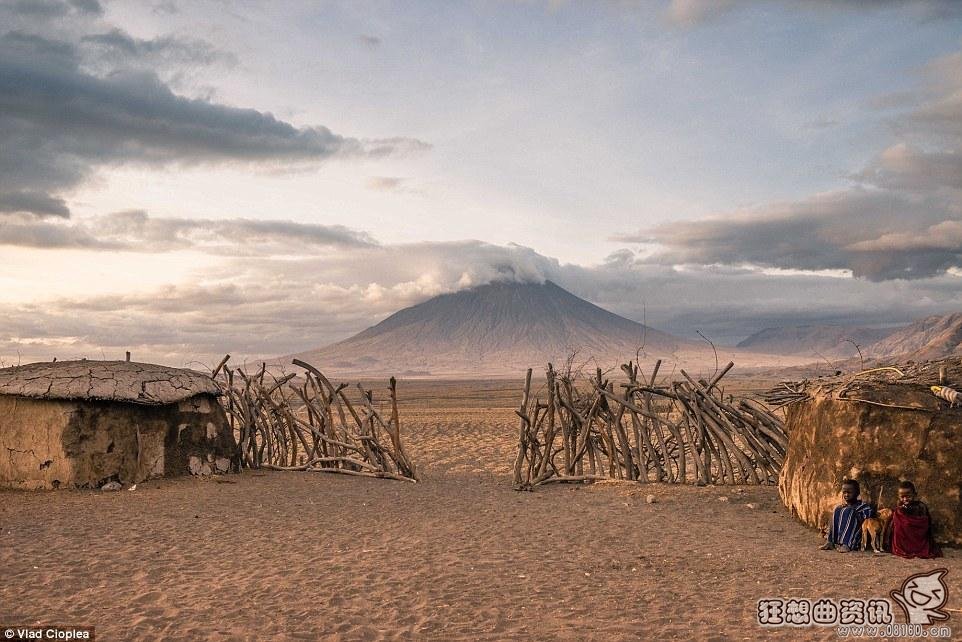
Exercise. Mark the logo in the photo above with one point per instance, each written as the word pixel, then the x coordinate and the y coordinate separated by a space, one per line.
pixel 922 596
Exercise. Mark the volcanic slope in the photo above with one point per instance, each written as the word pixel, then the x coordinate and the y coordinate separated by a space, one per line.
pixel 815 340
pixel 933 337
pixel 500 329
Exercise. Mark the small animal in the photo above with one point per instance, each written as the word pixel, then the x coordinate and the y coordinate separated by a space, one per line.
pixel 885 516
pixel 875 530
pixel 872 534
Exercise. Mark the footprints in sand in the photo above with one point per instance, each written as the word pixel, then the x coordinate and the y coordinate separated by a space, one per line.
pixel 297 556
pixel 471 441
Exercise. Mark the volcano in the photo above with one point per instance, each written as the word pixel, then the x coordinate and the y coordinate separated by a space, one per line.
pixel 497 329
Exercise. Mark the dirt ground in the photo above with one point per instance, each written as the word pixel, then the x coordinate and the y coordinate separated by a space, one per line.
pixel 303 556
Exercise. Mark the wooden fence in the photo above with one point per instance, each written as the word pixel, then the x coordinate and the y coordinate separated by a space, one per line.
pixel 680 432
pixel 307 423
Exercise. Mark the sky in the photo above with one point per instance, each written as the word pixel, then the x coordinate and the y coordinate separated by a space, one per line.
pixel 187 179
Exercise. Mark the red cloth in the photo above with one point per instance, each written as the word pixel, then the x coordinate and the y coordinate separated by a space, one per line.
pixel 912 536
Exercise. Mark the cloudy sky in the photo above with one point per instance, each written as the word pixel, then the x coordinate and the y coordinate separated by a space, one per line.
pixel 183 179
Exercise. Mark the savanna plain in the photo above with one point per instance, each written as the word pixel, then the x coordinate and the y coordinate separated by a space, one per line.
pixel 458 556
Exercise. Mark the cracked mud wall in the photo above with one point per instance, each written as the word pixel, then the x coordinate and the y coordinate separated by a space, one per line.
pixel 832 439
pixel 31 449
pixel 55 443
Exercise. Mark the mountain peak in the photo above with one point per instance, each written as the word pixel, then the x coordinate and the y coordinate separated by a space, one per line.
pixel 500 327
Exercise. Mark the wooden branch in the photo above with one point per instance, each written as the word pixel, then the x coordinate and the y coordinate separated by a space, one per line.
pixel 731 442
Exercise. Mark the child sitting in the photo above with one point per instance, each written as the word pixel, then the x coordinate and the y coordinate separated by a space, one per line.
pixel 845 533
pixel 912 526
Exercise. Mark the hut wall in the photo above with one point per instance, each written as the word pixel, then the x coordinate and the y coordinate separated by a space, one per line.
pixel 832 439
pixel 31 443
pixel 55 443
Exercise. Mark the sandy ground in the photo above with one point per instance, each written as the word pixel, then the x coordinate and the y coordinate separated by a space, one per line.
pixel 261 556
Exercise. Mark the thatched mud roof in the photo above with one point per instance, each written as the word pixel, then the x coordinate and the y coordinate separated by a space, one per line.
pixel 140 383
pixel 903 385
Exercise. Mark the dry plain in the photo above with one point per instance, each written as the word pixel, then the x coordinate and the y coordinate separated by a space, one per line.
pixel 460 555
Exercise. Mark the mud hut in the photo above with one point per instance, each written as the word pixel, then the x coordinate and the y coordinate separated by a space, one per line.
pixel 83 423
pixel 878 428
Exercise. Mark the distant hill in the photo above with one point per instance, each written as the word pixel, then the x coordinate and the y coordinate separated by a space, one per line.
pixel 812 340
pixel 499 328
pixel 929 338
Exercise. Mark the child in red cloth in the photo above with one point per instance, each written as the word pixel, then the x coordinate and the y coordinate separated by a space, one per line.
pixel 912 526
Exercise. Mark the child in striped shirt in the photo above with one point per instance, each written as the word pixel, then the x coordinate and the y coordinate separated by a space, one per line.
pixel 845 533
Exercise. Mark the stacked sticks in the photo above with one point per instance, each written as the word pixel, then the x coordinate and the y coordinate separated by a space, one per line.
pixel 291 424
pixel 786 393
pixel 682 432
pixel 938 372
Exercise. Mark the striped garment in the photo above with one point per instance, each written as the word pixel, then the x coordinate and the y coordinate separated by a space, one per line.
pixel 847 524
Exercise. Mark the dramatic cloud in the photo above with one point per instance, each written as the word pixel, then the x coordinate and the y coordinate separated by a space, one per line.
pixel 136 231
pixel 899 222
pixel 58 122
pixel 140 231
pixel 20 231
pixel 946 236
pixel 901 167
pixel 79 95
pixel 331 295
pixel 32 203
pixel 826 232
pixel 856 238
pixel 50 9
pixel 929 155
pixel 118 47
pixel 179 324
pixel 320 297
